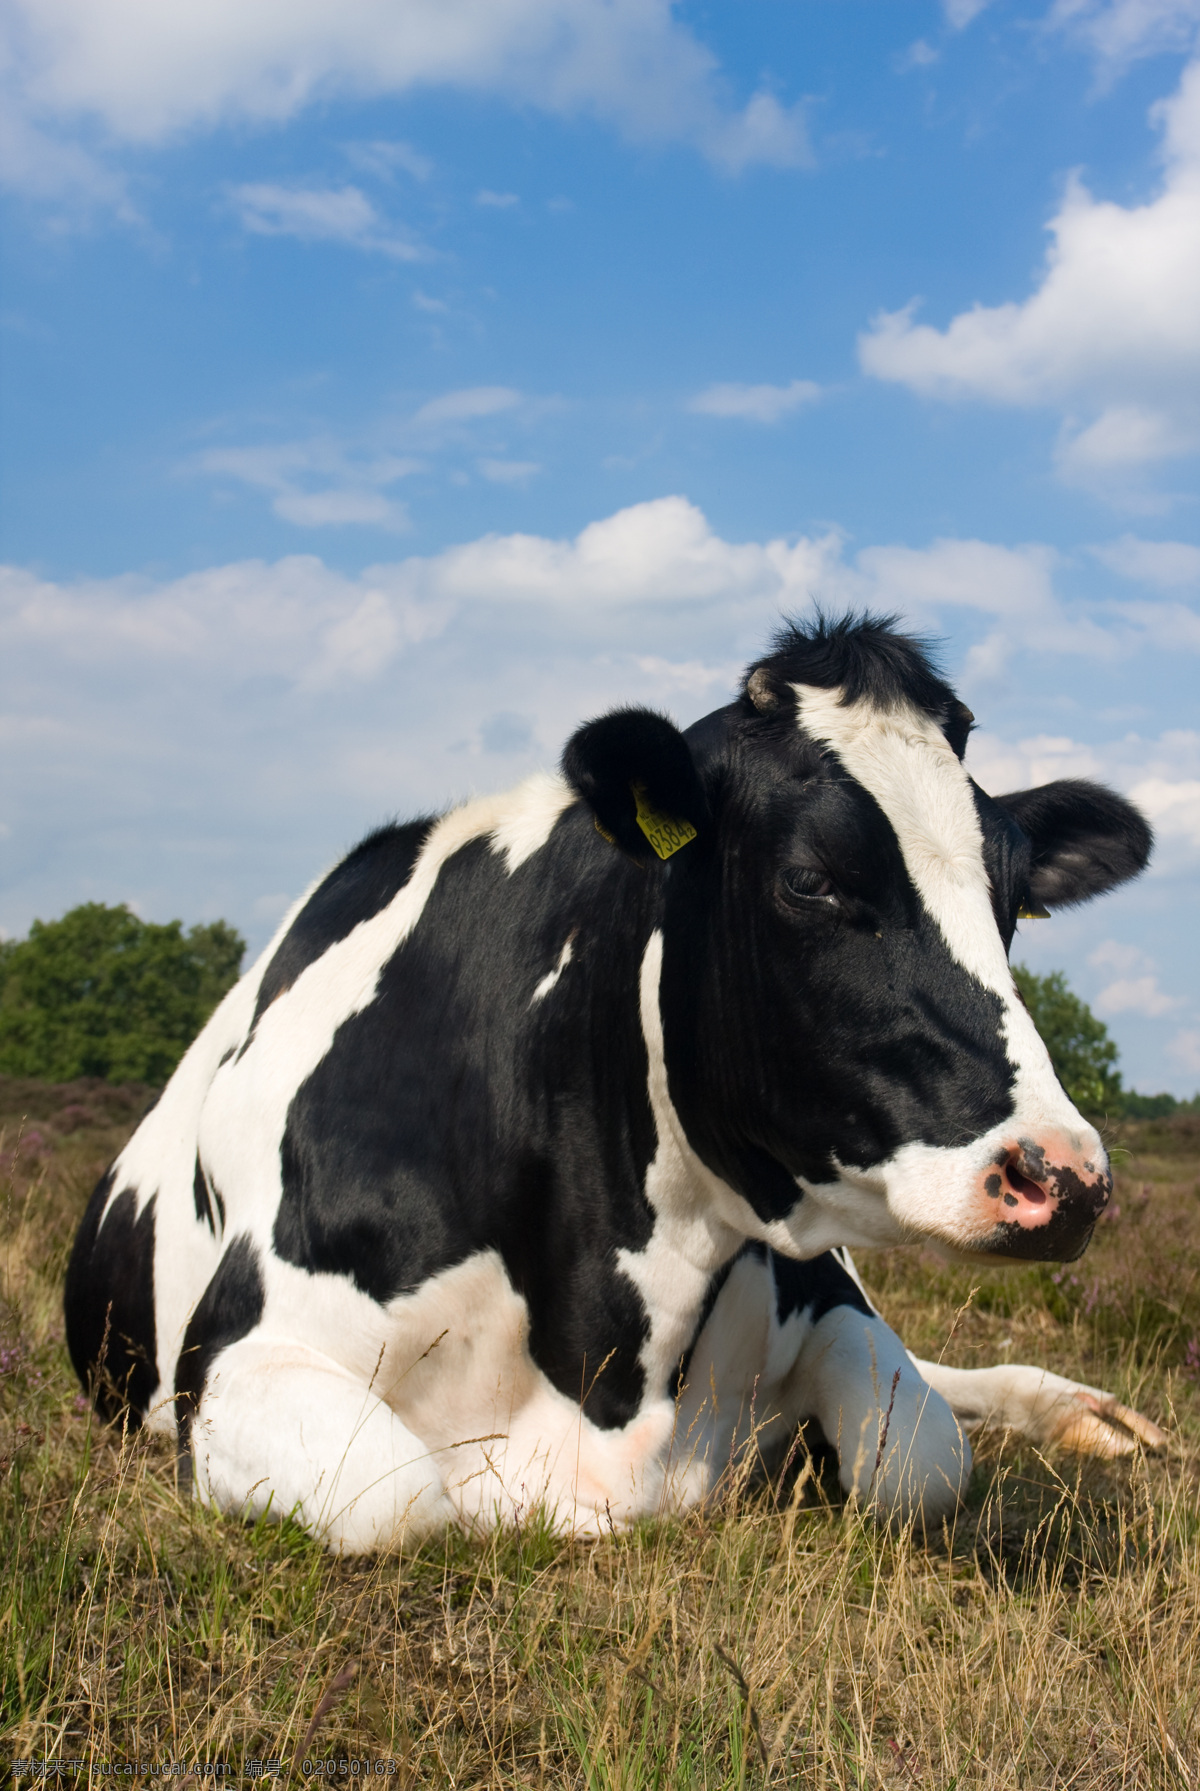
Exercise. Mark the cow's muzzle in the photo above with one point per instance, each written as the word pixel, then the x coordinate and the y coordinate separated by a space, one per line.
pixel 1042 1199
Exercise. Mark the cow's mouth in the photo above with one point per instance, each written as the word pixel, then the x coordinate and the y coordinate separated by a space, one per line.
pixel 1063 1239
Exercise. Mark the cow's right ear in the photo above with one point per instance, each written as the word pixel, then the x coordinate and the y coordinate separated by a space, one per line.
pixel 636 773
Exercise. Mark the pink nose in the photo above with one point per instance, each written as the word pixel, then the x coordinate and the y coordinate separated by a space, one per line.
pixel 1045 1186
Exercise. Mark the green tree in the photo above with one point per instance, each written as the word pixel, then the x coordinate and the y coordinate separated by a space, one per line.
pixel 1083 1055
pixel 102 993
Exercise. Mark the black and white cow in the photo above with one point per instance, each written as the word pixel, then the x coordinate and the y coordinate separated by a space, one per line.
pixel 520 1167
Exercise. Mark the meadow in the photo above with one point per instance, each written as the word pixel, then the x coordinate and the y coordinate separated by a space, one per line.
pixel 1050 1637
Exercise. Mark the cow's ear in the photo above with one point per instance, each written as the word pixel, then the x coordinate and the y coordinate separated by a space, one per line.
pixel 1085 839
pixel 636 773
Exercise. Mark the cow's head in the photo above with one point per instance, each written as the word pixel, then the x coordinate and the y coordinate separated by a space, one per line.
pixel 845 1045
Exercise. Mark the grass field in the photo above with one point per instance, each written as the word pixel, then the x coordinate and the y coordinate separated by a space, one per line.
pixel 1052 1638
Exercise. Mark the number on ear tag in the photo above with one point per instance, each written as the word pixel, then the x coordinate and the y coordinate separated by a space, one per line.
pixel 666 833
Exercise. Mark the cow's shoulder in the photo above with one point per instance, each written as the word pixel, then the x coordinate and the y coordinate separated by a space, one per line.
pixel 361 886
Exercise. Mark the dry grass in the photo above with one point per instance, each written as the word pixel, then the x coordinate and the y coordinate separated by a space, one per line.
pixel 1049 1640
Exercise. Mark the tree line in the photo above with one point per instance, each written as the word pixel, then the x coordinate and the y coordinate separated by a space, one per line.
pixel 103 993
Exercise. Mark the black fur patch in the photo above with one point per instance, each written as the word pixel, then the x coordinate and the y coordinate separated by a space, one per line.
pixel 361 886
pixel 109 1303
pixel 230 1307
pixel 455 1115
pixel 867 658
pixel 816 1287
pixel 200 1198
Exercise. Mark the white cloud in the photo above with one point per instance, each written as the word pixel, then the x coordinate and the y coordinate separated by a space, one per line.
pixel 1118 31
pixel 689 677
pixel 318 481
pixel 1015 586
pixel 1135 989
pixel 146 73
pixel 960 13
pixel 323 479
pixel 58 172
pixel 1170 625
pixel 1170 564
pixel 755 404
pixel 1172 803
pixel 1111 337
pixel 467 405
pixel 918 55
pixel 509 472
pixel 1136 995
pixel 382 157
pixel 1185 1049
pixel 296 619
pixel 320 214
pixel 498 201
pixel 1113 955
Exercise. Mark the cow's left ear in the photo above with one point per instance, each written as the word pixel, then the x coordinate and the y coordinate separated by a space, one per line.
pixel 636 773
pixel 1086 839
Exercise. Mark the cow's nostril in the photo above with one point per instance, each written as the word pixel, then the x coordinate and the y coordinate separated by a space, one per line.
pixel 1021 1184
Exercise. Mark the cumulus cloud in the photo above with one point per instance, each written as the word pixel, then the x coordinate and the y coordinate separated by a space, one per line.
pixel 320 214
pixel 755 404
pixel 1111 336
pixel 143 73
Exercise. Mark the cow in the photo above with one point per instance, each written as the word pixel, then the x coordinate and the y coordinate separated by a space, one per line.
pixel 521 1169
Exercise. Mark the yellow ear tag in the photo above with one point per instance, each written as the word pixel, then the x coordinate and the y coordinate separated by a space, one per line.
pixel 1033 911
pixel 666 833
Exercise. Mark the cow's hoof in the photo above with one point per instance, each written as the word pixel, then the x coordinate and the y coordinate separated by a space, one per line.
pixel 1103 1427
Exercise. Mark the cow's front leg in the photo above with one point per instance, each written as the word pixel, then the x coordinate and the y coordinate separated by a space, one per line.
pixel 1042 1406
pixel 285 1429
pixel 900 1449
pixel 787 1341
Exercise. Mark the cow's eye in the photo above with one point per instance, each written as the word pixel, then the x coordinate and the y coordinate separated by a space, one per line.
pixel 800 885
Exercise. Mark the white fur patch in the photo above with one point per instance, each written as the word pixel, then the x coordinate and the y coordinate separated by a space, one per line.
pixel 452 1362
pixel 527 815
pixel 550 980
pixel 696 1214
pixel 905 762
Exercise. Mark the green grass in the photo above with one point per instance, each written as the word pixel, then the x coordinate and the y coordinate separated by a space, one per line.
pixel 1050 1638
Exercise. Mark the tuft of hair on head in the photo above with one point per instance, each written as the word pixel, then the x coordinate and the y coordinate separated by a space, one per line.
pixel 865 656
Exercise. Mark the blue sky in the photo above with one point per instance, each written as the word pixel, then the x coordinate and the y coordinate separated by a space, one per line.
pixel 389 384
